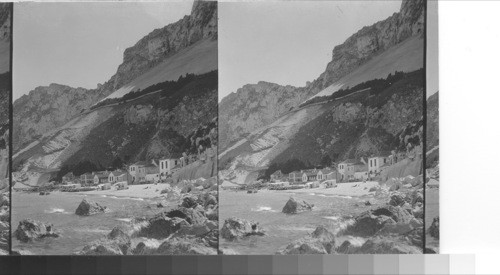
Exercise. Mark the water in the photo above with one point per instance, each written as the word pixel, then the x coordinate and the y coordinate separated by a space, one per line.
pixel 265 208
pixel 76 231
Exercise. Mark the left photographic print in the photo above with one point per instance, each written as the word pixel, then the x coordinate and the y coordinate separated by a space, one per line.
pixel 5 90
pixel 115 128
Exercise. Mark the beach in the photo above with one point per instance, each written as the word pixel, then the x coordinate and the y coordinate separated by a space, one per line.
pixel 353 189
pixel 144 191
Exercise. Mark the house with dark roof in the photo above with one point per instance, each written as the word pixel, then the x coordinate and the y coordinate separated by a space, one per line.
pixel 101 177
pixel 309 175
pixel 326 174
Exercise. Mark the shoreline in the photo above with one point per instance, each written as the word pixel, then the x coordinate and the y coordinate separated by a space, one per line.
pixel 142 191
pixel 350 189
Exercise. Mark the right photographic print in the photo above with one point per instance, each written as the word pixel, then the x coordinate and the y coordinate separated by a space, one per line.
pixel 321 127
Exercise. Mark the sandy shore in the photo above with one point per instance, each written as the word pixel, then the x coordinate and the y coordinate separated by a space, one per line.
pixel 353 189
pixel 144 191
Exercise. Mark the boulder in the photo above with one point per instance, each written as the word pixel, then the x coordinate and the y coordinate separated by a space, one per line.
pixel 189 202
pixel 30 230
pixel 213 213
pixel 370 222
pixel 398 214
pixel 146 247
pixel 117 242
pixel 384 245
pixel 207 199
pixel 346 248
pixel 103 246
pixel 4 200
pixel 197 230
pixel 87 208
pixel 184 247
pixel 368 203
pixel 321 241
pixel 191 215
pixel 212 238
pixel 416 181
pixel 119 233
pixel 161 226
pixel 294 206
pixel 227 251
pixel 416 236
pixel 418 212
pixel 397 200
pixel 416 196
pixel 434 228
pixel 373 189
pixel 235 228
pixel 367 224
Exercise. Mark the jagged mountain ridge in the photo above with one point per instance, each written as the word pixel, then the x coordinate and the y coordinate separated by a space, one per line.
pixel 357 50
pixel 151 51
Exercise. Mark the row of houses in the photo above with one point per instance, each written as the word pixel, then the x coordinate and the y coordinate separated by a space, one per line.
pixel 139 172
pixel 305 175
pixel 347 170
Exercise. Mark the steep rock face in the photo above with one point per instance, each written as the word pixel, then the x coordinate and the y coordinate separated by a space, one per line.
pixel 361 125
pixel 367 42
pixel 253 106
pixel 47 108
pixel 164 42
pixel 237 119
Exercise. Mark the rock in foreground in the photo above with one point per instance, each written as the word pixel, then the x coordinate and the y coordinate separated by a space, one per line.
pixel 386 246
pixel 235 228
pixel 321 241
pixel 294 206
pixel 184 247
pixel 434 228
pixel 30 230
pixel 88 208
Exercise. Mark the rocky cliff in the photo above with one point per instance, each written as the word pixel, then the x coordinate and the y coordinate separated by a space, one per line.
pixel 165 42
pixel 253 106
pixel 46 108
pixel 237 117
pixel 5 18
pixel 60 128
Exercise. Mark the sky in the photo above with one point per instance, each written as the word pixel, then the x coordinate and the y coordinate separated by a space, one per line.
pixel 81 44
pixel 288 43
